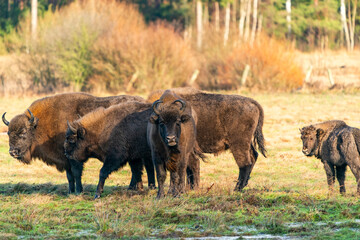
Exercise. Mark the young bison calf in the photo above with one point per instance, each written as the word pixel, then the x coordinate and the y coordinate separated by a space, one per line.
pixel 115 136
pixel 172 140
pixel 337 145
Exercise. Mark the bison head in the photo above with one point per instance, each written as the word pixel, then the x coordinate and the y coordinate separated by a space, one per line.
pixel 21 131
pixel 168 118
pixel 311 138
pixel 75 144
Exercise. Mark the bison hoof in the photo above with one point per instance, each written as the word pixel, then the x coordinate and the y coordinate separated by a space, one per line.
pixel 97 196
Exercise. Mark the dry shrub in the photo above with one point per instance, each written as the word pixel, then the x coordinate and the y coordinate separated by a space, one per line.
pixel 272 66
pixel 142 58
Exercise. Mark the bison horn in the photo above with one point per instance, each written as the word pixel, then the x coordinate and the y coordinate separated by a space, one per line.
pixel 72 129
pixel 155 106
pixel 31 117
pixel 183 104
pixel 4 120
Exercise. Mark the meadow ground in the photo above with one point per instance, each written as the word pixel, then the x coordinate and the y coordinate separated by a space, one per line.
pixel 287 196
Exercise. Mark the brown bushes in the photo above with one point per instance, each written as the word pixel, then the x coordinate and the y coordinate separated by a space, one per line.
pixel 106 46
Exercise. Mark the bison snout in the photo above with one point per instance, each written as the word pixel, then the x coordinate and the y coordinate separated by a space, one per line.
pixel 305 151
pixel 171 140
pixel 14 152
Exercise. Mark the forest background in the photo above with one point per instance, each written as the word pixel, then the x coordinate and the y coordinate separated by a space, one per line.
pixel 49 46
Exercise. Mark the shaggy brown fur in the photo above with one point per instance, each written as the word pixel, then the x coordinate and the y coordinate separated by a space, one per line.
pixel 115 136
pixel 44 137
pixel 172 139
pixel 337 145
pixel 226 122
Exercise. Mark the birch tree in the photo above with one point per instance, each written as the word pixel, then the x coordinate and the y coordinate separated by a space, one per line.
pixel 34 6
pixel 247 20
pixel 288 16
pixel 343 20
pixel 227 23
pixel 199 26
pixel 254 23
pixel 243 4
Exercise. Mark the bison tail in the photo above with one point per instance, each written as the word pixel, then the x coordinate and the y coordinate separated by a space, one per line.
pixel 198 153
pixel 258 135
pixel 356 134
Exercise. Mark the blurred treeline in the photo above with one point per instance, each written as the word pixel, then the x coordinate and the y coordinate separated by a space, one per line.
pixel 143 45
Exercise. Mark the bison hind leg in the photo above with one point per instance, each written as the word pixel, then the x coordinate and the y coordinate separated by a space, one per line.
pixel 340 175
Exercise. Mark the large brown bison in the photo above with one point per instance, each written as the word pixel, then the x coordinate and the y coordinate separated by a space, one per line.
pixel 39 132
pixel 115 136
pixel 172 139
pixel 337 145
pixel 226 122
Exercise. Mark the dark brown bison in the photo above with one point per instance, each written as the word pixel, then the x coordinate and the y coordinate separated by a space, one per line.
pixel 172 140
pixel 338 146
pixel 116 136
pixel 40 131
pixel 227 122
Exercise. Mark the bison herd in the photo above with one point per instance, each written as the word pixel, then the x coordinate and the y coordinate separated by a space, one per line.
pixel 169 132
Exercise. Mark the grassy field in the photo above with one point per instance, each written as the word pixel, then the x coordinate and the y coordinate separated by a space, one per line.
pixel 287 196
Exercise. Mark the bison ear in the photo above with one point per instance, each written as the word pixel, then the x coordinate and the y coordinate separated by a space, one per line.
pixel 154 118
pixel 185 118
pixel 81 132
pixel 319 133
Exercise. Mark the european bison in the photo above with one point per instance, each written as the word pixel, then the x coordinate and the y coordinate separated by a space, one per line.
pixel 172 139
pixel 226 122
pixel 40 131
pixel 116 136
pixel 337 145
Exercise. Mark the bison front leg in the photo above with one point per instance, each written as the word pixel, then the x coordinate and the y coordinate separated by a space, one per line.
pixel 330 175
pixel 77 169
pixel 70 178
pixel 161 177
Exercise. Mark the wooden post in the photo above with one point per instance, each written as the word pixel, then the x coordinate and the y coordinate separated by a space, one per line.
pixel 308 74
pixel 244 76
pixel 331 79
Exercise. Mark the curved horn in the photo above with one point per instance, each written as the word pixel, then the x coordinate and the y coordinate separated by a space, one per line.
pixel 72 129
pixel 183 105
pixel 31 117
pixel 4 120
pixel 155 106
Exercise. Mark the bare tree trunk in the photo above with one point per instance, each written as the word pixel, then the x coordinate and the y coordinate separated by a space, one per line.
pixel 254 23
pixel 352 18
pixel 288 17
pixel 343 20
pixel 247 20
pixel 242 17
pixel 206 16
pixel 217 16
pixel 227 23
pixel 199 23
pixel 259 25
pixel 33 18
pixel 233 18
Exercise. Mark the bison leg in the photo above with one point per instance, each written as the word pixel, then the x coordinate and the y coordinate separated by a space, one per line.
pixel 108 167
pixel 161 177
pixel 77 169
pixel 136 170
pixel 193 172
pixel 355 169
pixel 330 175
pixel 149 166
pixel 244 173
pixel 340 175
pixel 71 181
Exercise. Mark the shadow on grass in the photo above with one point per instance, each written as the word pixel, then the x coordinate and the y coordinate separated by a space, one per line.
pixel 10 189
